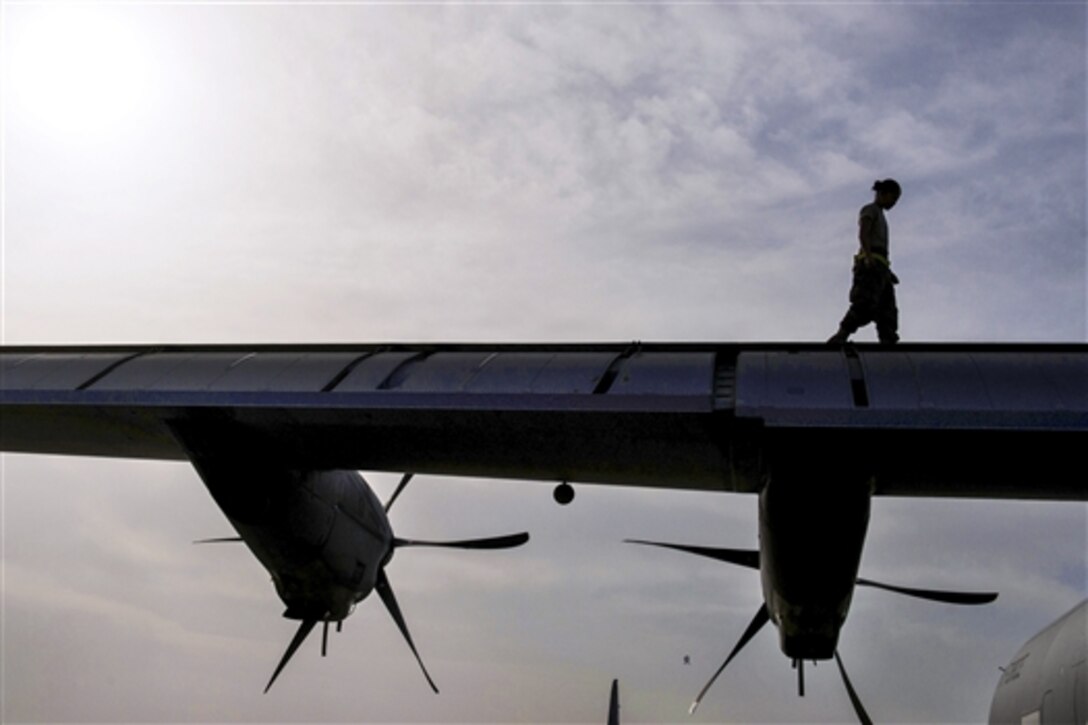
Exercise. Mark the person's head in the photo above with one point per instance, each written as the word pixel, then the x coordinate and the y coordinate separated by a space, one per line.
pixel 888 192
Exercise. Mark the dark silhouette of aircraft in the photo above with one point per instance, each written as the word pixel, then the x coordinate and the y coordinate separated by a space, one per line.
pixel 816 431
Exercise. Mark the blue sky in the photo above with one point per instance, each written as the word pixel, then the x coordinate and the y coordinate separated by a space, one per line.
pixel 523 172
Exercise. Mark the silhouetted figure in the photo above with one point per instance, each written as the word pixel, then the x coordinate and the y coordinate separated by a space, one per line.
pixel 872 294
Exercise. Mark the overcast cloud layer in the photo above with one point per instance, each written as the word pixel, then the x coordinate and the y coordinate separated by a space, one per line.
pixel 339 173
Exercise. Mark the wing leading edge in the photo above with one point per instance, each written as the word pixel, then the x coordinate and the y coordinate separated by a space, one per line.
pixel 1004 421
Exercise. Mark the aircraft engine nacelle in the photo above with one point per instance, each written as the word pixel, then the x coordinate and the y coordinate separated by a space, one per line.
pixel 327 547
pixel 322 535
pixel 811 537
pixel 360 540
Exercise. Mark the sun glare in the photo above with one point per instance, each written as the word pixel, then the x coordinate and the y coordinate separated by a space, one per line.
pixel 79 72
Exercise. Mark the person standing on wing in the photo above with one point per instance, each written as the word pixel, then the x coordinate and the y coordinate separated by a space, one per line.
pixel 872 295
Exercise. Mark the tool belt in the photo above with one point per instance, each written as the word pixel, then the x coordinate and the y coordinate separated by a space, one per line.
pixel 860 257
pixel 873 255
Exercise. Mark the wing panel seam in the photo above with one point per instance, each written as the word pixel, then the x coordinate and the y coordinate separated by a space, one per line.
pixel 111 367
pixel 339 377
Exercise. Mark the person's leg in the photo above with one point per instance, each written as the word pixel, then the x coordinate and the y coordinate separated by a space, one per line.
pixel 887 315
pixel 864 295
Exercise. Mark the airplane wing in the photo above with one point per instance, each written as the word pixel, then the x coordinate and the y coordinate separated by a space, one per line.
pixel 995 421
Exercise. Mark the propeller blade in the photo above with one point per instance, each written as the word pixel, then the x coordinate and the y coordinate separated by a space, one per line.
pixel 221 540
pixel 400 487
pixel 933 594
pixel 859 709
pixel 495 542
pixel 741 557
pixel 800 666
pixel 303 630
pixel 614 704
pixel 385 591
pixel 761 618
pixel 325 639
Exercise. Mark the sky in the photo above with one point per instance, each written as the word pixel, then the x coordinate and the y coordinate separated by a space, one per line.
pixel 523 172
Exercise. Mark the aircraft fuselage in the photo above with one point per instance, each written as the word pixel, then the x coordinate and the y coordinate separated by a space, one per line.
pixel 1047 680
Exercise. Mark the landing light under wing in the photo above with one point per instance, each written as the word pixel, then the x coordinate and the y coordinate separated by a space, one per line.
pixel 995 421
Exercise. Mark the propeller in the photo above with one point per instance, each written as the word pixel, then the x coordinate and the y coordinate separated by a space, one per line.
pixel 751 559
pixel 614 704
pixel 859 709
pixel 741 557
pixel 304 629
pixel 220 540
pixel 400 487
pixel 934 595
pixel 496 542
pixel 761 618
pixel 385 591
